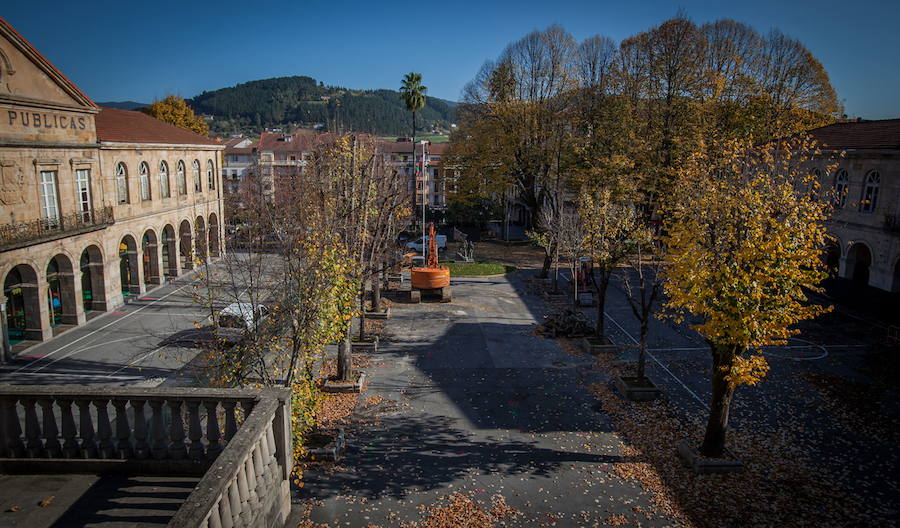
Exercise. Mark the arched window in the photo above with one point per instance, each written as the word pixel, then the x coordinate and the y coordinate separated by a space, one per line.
pixel 144 176
pixel 210 177
pixel 163 179
pixel 182 182
pixel 841 183
pixel 121 183
pixel 870 192
pixel 198 185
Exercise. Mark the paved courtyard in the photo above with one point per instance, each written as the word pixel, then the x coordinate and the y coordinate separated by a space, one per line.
pixel 466 398
pixel 474 402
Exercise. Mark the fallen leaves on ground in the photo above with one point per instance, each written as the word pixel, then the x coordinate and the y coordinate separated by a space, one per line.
pixel 777 487
pixel 458 510
pixel 335 408
pixel 47 502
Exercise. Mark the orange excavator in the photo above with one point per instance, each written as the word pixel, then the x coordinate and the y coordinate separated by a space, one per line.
pixel 432 278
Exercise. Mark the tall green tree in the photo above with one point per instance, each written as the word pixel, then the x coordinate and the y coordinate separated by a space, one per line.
pixel 413 94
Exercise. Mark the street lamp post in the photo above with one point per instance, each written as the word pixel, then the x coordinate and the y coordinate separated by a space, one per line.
pixel 424 183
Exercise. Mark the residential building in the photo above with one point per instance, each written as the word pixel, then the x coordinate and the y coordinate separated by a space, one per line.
pixel 238 160
pixel 866 184
pixel 403 157
pixel 98 204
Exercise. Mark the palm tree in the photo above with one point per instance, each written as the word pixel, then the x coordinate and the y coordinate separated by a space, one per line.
pixel 413 94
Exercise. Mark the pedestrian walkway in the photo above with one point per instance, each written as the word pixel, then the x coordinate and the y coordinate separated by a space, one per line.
pixel 474 402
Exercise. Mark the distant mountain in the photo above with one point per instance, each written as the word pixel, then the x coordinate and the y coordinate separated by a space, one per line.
pixel 288 102
pixel 123 105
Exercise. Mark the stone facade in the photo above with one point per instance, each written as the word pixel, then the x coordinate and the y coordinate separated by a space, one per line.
pixel 865 180
pixel 93 208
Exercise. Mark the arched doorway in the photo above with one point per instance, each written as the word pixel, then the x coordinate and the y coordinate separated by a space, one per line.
pixel 859 259
pixel 93 291
pixel 187 254
pixel 200 238
pixel 150 258
pixel 128 266
pixel 23 310
pixel 213 235
pixel 61 305
pixel 169 253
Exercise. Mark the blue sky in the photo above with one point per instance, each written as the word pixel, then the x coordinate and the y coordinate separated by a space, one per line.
pixel 129 50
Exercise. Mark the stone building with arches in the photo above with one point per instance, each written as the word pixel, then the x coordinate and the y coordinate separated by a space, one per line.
pixel 96 204
pixel 865 185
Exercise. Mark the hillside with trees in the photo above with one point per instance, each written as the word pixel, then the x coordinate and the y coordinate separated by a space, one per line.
pixel 288 102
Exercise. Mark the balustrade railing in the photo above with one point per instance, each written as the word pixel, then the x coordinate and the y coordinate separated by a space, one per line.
pixel 241 439
pixel 49 228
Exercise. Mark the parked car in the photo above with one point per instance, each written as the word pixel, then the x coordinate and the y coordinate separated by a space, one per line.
pixel 417 243
pixel 237 319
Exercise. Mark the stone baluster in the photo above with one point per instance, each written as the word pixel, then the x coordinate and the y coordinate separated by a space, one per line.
pixel 259 469
pixel 158 430
pixel 195 432
pixel 88 447
pixel 234 498
pixel 230 420
pixel 225 510
pixel 177 449
pixel 273 458
pixel 214 520
pixel 123 430
pixel 13 430
pixel 268 458
pixel 247 405
pixel 104 432
pixel 49 430
pixel 34 447
pixel 70 447
pixel 141 447
pixel 213 447
pixel 244 494
pixel 250 474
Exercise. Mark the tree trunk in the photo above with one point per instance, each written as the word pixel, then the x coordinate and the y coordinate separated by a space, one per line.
pixel 345 358
pixel 414 135
pixel 602 285
pixel 362 313
pixel 722 392
pixel 545 269
pixel 642 354
pixel 574 286
pixel 376 294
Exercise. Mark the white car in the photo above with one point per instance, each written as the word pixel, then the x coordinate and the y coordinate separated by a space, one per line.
pixel 417 243
pixel 241 316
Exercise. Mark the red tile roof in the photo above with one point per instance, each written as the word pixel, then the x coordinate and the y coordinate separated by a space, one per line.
pixel 301 142
pixel 881 134
pixel 128 126
pixel 239 150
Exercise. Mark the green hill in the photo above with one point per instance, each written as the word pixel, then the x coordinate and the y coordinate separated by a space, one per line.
pixel 288 102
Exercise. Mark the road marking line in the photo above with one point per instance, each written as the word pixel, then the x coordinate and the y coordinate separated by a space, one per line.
pixel 676 378
pixel 142 358
pixel 126 316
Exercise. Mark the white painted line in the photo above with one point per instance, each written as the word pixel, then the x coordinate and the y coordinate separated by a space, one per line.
pixel 85 336
pixel 138 360
pixel 636 342
pixel 72 375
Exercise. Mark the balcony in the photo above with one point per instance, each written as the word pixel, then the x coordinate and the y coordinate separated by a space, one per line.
pixel 24 234
pixel 186 457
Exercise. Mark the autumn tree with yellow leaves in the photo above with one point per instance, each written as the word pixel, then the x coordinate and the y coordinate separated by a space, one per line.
pixel 174 110
pixel 744 239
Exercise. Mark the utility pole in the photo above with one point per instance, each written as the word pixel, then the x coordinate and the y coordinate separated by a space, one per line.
pixel 424 196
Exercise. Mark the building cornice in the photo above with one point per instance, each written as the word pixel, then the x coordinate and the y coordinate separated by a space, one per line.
pixel 116 145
